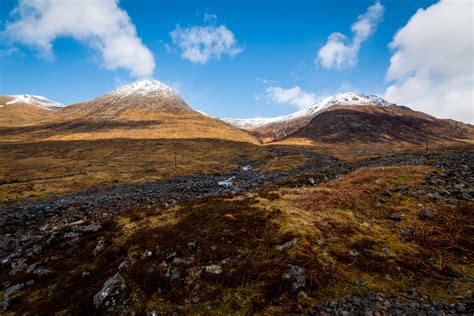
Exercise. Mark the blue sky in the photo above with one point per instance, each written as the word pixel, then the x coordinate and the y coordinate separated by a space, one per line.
pixel 276 45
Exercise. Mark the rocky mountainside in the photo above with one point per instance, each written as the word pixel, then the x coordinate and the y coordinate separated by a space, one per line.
pixel 146 109
pixel 369 123
pixel 26 109
pixel 138 100
pixel 351 116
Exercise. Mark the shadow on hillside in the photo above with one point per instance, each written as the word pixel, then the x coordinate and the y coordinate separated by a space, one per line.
pixel 78 126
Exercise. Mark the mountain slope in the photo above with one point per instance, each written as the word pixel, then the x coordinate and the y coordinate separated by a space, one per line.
pixel 270 129
pixel 349 117
pixel 26 109
pixel 145 109
pixel 370 123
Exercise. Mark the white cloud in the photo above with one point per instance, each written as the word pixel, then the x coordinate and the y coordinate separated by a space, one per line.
pixel 339 52
pixel 100 24
pixel 294 96
pixel 431 68
pixel 199 44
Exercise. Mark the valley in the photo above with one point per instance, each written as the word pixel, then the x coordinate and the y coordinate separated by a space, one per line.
pixel 133 202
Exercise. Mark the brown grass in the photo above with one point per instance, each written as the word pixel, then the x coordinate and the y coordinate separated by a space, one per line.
pixel 331 221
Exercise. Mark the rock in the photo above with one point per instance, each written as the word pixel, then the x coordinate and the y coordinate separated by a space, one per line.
pixel 411 294
pixel 71 235
pixel 79 222
pixel 100 246
pixel 452 289
pixel 425 214
pixel 85 274
pixel 288 244
pixel 146 254
pixel 247 168
pixel 213 269
pixel 385 249
pixel 124 265
pixel 192 246
pixel 92 228
pixel 407 231
pixel 4 304
pixel 9 291
pixel 111 291
pixel 296 275
pixel 395 217
pixel 353 253
pixel 42 271
pixel 386 193
pixel 171 256
pixel 173 273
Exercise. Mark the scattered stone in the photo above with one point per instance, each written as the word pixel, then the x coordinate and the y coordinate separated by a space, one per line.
pixel 395 217
pixel 79 222
pixel 425 214
pixel 71 235
pixel 124 265
pixel 92 228
pixel 353 253
pixel 42 271
pixel 85 274
pixel 171 256
pixel 173 273
pixel 385 249
pixel 146 254
pixel 98 249
pixel 288 244
pixel 192 246
pixel 452 289
pixel 247 168
pixel 213 270
pixel 297 276
pixel 9 291
pixel 5 304
pixel 111 291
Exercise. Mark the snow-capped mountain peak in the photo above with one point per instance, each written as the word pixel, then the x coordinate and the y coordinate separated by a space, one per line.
pixel 347 98
pixel 35 100
pixel 144 88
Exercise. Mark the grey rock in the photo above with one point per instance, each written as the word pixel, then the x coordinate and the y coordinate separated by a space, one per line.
pixel 98 248
pixel 425 214
pixel 9 291
pixel 288 244
pixel 213 269
pixel 112 289
pixel 191 245
pixel 297 276
pixel 92 228
pixel 395 217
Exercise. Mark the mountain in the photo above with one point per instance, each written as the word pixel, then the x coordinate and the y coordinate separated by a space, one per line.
pixel 146 109
pixel 138 100
pixel 270 129
pixel 372 123
pixel 349 116
pixel 25 109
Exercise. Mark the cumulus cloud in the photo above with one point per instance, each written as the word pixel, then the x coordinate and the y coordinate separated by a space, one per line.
pixel 340 52
pixel 199 44
pixel 294 96
pixel 100 24
pixel 431 68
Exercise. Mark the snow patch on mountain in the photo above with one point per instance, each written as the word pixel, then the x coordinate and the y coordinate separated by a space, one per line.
pixel 35 100
pixel 144 88
pixel 348 98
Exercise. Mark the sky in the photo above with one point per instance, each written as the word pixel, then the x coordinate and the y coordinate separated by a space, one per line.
pixel 244 58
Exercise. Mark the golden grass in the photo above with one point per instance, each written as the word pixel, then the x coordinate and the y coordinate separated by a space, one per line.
pixel 34 170
pixel 342 230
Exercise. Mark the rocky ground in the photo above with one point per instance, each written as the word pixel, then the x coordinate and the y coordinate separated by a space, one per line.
pixel 28 229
